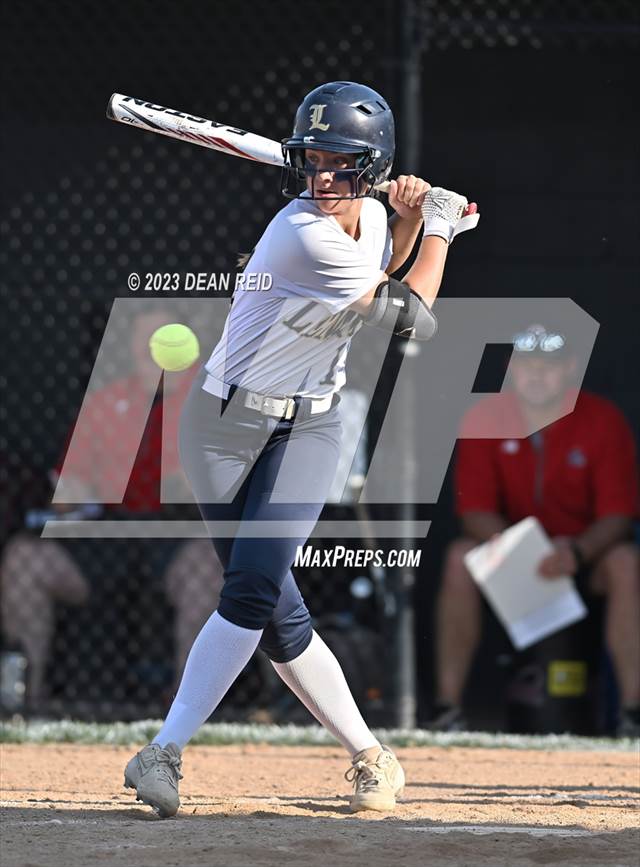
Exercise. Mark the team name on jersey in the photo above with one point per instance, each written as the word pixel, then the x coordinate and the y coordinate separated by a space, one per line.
pixel 342 324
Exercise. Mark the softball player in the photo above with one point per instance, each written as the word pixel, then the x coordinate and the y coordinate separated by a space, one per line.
pixel 260 430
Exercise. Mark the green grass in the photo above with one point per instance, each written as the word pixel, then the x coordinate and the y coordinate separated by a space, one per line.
pixel 141 732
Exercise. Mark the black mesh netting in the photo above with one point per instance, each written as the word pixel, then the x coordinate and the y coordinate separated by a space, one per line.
pixel 105 625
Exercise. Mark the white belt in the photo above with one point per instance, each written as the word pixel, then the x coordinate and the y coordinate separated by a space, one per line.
pixel 276 407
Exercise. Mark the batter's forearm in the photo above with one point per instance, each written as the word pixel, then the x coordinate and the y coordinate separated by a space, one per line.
pixel 442 212
pixel 425 275
pixel 404 233
pixel 442 219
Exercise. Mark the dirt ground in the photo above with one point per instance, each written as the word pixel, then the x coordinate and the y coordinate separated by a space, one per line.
pixel 266 805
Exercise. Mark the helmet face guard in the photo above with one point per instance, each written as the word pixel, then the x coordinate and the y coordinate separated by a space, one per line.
pixel 346 118
pixel 297 171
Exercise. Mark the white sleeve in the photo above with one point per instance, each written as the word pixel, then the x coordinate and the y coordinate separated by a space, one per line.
pixel 325 265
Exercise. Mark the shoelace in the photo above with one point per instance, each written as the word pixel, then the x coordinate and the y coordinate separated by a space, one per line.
pixel 363 774
pixel 169 766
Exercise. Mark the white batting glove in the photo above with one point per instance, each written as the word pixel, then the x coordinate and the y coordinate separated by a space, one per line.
pixel 442 211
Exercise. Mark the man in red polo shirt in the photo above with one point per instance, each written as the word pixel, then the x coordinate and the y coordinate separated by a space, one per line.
pixel 579 476
pixel 36 573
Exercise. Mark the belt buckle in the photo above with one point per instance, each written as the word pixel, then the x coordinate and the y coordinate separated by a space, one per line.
pixel 276 407
pixel 268 406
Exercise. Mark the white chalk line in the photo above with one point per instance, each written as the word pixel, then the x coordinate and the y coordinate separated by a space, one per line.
pixel 478 830
pixel 487 830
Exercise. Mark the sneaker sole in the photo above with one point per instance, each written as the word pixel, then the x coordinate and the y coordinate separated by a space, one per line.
pixel 378 805
pixel 162 813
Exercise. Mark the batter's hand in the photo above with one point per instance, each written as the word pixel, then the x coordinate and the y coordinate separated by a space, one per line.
pixel 406 195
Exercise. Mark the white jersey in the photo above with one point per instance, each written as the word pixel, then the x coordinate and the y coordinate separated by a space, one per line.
pixel 294 337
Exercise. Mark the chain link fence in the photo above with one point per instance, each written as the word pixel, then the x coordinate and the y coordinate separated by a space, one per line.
pixel 104 625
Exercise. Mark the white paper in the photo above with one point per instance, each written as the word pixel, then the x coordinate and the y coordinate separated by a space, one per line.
pixel 528 606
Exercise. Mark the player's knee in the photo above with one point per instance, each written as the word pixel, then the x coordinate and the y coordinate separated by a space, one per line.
pixel 456 575
pixel 286 640
pixel 248 597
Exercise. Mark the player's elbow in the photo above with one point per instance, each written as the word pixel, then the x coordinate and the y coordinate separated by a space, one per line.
pixel 396 307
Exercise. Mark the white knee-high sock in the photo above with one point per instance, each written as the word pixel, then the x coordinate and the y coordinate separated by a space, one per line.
pixel 218 655
pixel 316 678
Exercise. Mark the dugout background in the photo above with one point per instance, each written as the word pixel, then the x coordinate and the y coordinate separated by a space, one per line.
pixel 527 105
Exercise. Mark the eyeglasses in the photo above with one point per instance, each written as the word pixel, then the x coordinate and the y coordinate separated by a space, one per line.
pixel 544 341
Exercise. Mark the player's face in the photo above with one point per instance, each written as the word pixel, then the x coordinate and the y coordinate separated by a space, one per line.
pixel 540 381
pixel 325 184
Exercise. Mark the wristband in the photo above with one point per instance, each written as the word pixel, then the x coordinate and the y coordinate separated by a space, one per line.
pixel 443 214
pixel 438 226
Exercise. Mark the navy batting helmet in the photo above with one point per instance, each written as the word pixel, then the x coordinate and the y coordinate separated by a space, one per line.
pixel 342 117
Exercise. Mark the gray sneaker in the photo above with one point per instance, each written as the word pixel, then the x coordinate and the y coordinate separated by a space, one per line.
pixel 154 773
pixel 376 783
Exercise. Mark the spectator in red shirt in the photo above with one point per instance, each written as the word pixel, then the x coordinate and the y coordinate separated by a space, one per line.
pixel 579 476
pixel 35 572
